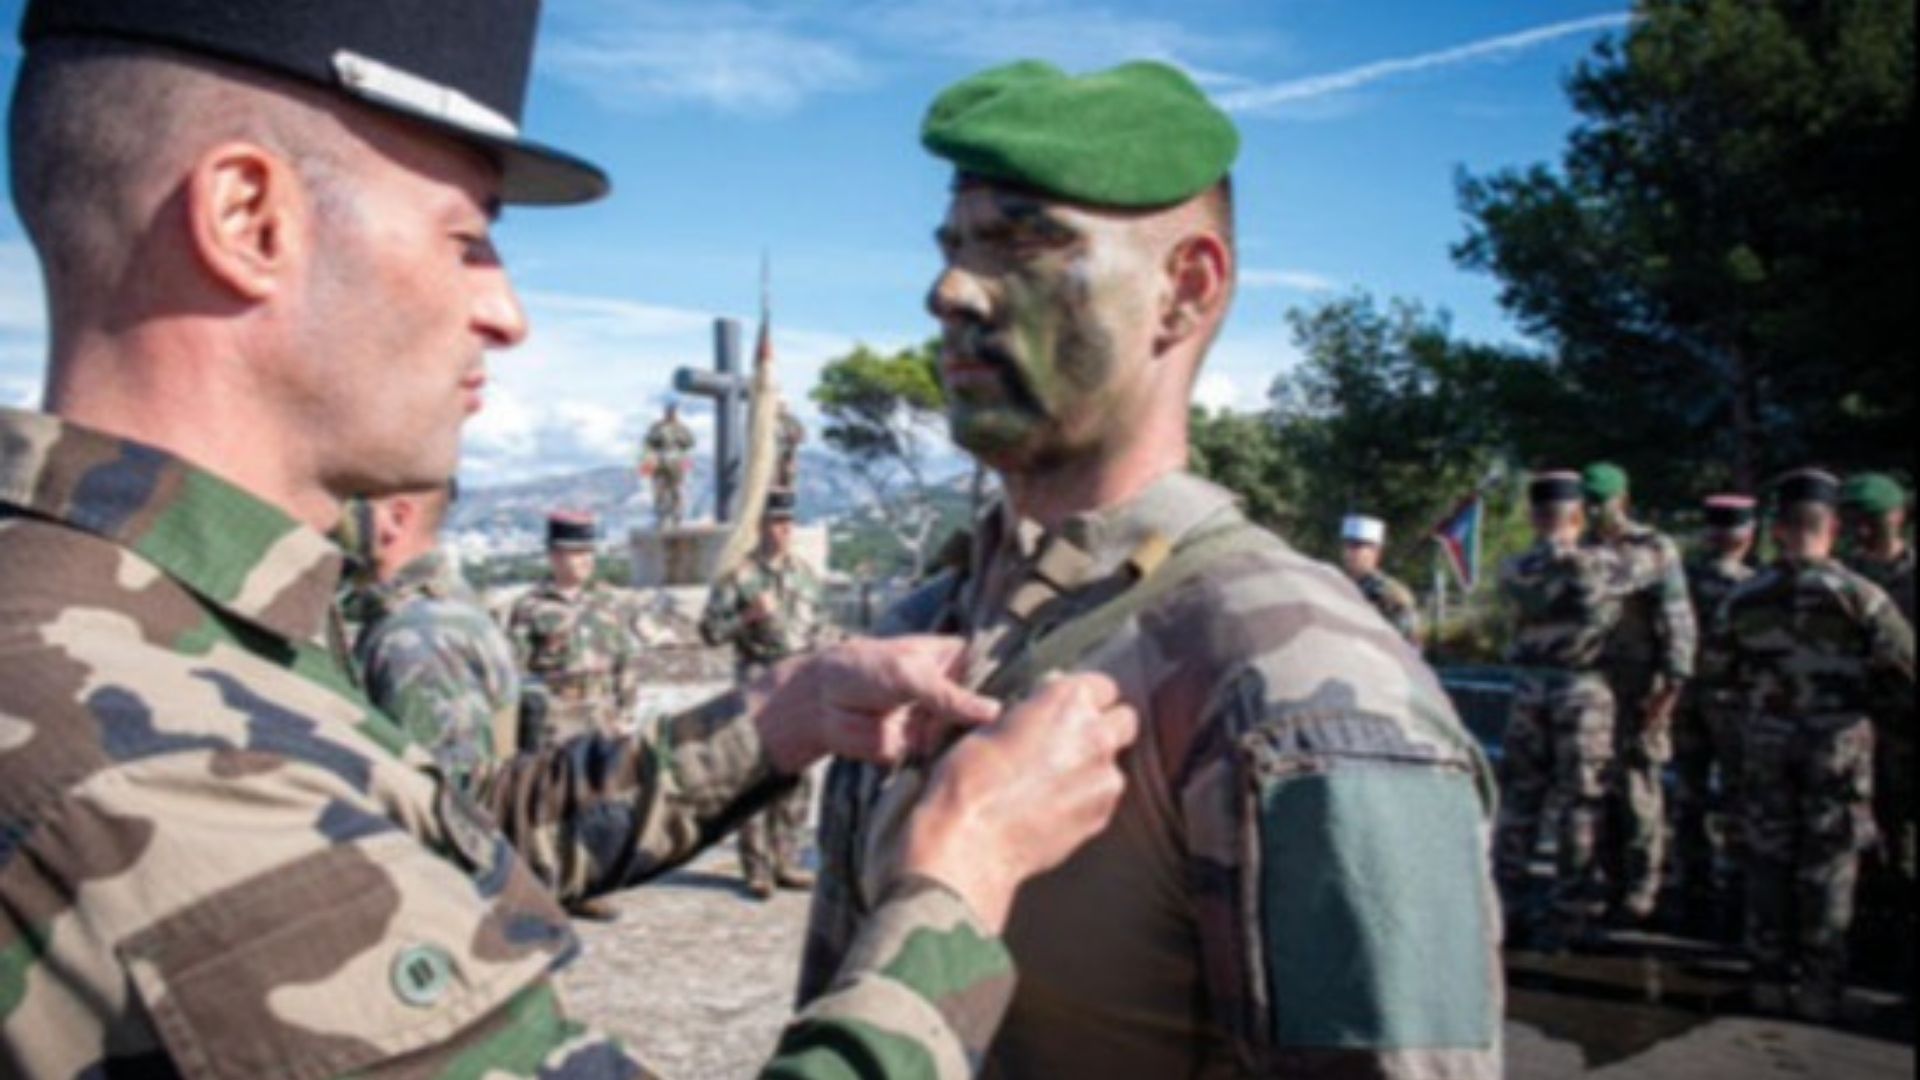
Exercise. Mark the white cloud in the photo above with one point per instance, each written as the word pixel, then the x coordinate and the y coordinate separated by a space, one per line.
pixel 1305 281
pixel 759 56
pixel 1258 99
pixel 734 57
pixel 1073 36
pixel 597 370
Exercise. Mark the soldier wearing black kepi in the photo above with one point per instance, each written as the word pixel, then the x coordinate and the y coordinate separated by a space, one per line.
pixel 1810 646
pixel 1706 732
pixel 1558 751
pixel 768 608
pixel 1361 539
pixel 263 230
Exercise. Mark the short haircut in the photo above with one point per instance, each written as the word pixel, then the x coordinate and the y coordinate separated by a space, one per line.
pixel 98 128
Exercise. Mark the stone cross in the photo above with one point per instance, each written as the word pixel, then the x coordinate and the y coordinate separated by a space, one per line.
pixel 730 389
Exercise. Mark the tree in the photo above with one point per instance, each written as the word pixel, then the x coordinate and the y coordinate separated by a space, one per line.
pixel 1723 260
pixel 1243 453
pixel 886 415
pixel 1388 414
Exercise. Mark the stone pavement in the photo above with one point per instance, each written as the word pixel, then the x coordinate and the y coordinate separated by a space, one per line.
pixel 698 977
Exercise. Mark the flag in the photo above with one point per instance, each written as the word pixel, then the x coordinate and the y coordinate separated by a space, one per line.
pixel 1459 537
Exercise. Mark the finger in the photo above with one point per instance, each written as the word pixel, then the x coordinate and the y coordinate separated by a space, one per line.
pixel 939 698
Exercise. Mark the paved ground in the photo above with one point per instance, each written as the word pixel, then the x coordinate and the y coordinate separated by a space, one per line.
pixel 698 977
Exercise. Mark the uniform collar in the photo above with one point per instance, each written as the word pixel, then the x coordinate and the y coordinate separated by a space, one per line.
pixel 236 552
pixel 430 574
pixel 1170 507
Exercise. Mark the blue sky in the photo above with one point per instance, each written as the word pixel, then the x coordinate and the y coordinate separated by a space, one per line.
pixel 790 126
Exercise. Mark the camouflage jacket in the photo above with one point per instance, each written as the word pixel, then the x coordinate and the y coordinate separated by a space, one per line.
pixel 431 658
pixel 667 440
pixel 1810 641
pixel 1296 881
pixel 1711 581
pixel 1657 628
pixel 792 591
pixel 1395 603
pixel 582 650
pixel 1894 576
pixel 1566 602
pixel 219 860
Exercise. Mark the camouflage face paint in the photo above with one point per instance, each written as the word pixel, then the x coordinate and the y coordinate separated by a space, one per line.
pixel 1032 350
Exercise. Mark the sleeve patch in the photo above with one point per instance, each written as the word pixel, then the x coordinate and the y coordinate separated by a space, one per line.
pixel 1375 925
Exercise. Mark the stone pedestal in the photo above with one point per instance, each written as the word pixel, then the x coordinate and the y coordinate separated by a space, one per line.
pixel 685 557
pixel 672 558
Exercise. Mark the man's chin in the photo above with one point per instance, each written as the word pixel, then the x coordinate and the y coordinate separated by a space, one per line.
pixel 1002 438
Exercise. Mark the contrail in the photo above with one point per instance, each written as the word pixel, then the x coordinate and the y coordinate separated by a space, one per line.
pixel 1314 86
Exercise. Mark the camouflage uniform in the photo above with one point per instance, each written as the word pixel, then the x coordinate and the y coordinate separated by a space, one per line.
pixel 1809 646
pixel 1888 885
pixel 664 452
pixel 1652 647
pixel 1296 880
pixel 769 841
pixel 1558 753
pixel 581 650
pixel 1706 741
pixel 220 860
pixel 791 433
pixel 1395 603
pixel 432 659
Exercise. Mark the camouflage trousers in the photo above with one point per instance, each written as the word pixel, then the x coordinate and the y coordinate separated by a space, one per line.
pixel 1556 760
pixel 769 841
pixel 1707 818
pixel 1883 935
pixel 1636 802
pixel 1808 796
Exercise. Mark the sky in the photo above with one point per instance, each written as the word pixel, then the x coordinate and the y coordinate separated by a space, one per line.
pixel 789 127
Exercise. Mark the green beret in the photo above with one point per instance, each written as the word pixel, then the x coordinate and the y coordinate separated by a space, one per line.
pixel 1138 135
pixel 1874 493
pixel 1603 480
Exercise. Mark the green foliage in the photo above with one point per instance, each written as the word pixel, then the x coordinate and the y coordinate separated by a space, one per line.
pixel 880 407
pixel 1389 415
pixel 1243 452
pixel 886 415
pixel 1725 250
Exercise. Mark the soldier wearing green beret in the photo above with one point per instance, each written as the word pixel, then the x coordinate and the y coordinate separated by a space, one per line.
pixel 1874 506
pixel 1648 660
pixel 1298 882
pixel 1809 646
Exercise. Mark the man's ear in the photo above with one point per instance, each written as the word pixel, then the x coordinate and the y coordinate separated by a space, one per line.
pixel 1199 272
pixel 246 214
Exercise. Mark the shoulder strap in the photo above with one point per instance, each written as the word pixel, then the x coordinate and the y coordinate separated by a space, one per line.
pixel 1072 641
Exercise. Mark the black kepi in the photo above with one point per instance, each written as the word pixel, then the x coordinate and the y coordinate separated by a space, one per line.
pixel 460 67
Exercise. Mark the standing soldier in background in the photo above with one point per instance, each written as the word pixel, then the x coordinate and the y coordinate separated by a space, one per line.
pixel 791 433
pixel 769 608
pixel 1810 645
pixel 1361 539
pixel 573 636
pixel 428 655
pixel 1559 749
pixel 1874 507
pixel 1648 660
pixel 1706 730
pixel 664 459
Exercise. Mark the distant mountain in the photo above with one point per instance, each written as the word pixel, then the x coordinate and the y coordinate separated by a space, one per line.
pixel 509 518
